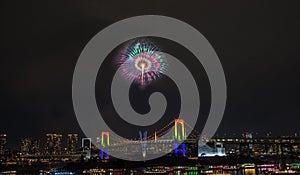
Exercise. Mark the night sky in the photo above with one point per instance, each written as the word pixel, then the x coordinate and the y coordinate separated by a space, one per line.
pixel 257 43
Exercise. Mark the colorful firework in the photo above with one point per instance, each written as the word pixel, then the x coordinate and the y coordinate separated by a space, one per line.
pixel 142 62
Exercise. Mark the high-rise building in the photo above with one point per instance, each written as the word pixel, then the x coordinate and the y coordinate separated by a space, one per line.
pixel 72 143
pixel 98 142
pixel 53 144
pixel 3 142
pixel 25 146
pixel 30 146
pixel 86 146
pixel 35 147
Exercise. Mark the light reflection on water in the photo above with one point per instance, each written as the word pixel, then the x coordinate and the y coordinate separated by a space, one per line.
pixel 245 169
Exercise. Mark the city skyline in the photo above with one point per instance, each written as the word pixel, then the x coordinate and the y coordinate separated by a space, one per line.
pixel 53 145
pixel 246 154
pixel 67 141
pixel 15 144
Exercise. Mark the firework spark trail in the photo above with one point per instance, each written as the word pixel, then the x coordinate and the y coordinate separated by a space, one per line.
pixel 141 61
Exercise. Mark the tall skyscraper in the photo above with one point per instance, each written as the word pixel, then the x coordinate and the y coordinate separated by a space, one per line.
pixel 72 143
pixel 53 144
pixel 35 147
pixel 25 146
pixel 30 146
pixel 3 142
pixel 86 144
pixel 98 142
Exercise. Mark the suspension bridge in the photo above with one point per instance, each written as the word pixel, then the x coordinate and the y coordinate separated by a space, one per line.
pixel 159 142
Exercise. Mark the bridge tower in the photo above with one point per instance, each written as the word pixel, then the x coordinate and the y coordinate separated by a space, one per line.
pixel 179 133
pixel 180 148
pixel 107 139
pixel 104 151
pixel 143 139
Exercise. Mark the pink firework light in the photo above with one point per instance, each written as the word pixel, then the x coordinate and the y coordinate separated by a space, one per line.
pixel 142 62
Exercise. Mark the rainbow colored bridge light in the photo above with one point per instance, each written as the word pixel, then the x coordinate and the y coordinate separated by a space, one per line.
pixel 142 62
pixel 177 135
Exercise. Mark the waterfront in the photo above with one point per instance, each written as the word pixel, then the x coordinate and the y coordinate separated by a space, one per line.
pixel 243 169
pixel 165 165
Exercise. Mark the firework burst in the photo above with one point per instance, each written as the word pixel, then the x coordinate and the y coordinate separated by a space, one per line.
pixel 141 61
